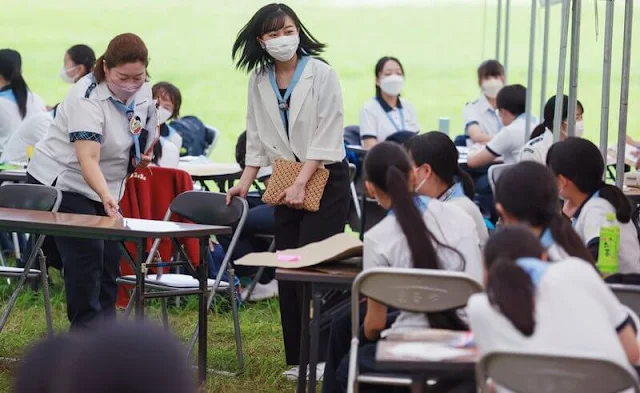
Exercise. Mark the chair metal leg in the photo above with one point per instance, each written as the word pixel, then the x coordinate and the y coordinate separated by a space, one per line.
pixel 236 320
pixel 165 313
pixel 256 279
pixel 356 202
pixel 45 292
pixel 127 311
pixel 14 297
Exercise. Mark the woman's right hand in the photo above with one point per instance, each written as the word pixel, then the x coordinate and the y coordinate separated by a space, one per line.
pixel 111 206
pixel 239 189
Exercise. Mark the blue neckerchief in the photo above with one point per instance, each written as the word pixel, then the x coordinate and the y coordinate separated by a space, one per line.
pixel 8 94
pixel 282 101
pixel 455 191
pixel 128 111
pixel 574 219
pixel 402 125
pixel 546 239
pixel 421 202
pixel 534 267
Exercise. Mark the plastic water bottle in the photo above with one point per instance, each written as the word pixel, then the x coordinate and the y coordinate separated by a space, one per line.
pixel 609 246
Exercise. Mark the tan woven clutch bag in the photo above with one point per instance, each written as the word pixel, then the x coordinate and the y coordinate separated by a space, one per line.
pixel 284 175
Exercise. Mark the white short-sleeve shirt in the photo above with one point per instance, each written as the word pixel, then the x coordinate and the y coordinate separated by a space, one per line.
pixel 480 112
pixel 95 118
pixel 537 148
pixel 576 314
pixel 170 154
pixel 386 246
pixel 509 141
pixel 10 119
pixel 592 216
pixel 379 120
pixel 32 130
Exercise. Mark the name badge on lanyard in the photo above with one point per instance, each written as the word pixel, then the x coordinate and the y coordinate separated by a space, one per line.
pixel 282 100
pixel 135 123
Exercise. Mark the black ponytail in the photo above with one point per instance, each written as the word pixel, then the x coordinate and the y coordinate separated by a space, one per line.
pixel 438 151
pixel 509 287
pixel 539 130
pixel 580 161
pixel 528 192
pixel 11 71
pixel 550 115
pixel 387 167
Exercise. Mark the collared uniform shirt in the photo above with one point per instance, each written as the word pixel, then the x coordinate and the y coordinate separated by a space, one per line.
pixel 10 119
pixel 32 130
pixel 537 148
pixel 315 119
pixel 386 246
pixel 510 140
pixel 576 314
pixel 379 120
pixel 480 112
pixel 592 216
pixel 170 154
pixel 94 118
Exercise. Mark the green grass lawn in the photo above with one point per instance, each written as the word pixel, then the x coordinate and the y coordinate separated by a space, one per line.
pixel 190 45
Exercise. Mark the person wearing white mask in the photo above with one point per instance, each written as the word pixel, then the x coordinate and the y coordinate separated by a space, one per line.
pixel 79 61
pixel 92 146
pixel 295 113
pixel 168 100
pixel 481 120
pixel 386 113
pixel 542 136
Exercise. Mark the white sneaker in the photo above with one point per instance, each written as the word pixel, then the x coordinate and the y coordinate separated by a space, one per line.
pixel 292 374
pixel 262 291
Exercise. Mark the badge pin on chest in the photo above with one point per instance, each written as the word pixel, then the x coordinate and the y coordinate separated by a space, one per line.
pixel 135 125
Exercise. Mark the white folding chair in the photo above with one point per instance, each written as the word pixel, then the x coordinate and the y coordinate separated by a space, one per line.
pixel 29 197
pixel 535 373
pixel 207 208
pixel 413 290
pixel 494 173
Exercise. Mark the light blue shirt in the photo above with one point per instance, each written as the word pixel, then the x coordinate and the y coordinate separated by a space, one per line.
pixel 480 112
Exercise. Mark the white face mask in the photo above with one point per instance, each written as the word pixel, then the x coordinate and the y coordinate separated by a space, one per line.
pixel 282 48
pixel 392 84
pixel 579 128
pixel 163 115
pixel 491 87
pixel 65 76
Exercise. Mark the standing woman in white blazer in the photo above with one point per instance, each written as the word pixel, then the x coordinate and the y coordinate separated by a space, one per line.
pixel 294 112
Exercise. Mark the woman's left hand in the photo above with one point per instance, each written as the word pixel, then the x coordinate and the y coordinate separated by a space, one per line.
pixel 293 196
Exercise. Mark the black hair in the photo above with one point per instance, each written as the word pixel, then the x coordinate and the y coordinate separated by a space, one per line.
pixel 528 191
pixel 170 90
pixel 241 149
pixel 82 55
pixel 512 98
pixel 247 52
pixel 388 167
pixel 380 65
pixel 581 162
pixel 490 68
pixel 550 114
pixel 438 151
pixel 509 287
pixel 11 71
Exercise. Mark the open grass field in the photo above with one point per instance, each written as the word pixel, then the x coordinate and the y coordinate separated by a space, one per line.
pixel 440 43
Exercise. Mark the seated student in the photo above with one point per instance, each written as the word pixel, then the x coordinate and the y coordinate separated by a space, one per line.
pixel 79 60
pixel 511 102
pixel 527 194
pixel 17 102
pixel 579 168
pixel 439 176
pixel 169 100
pixel 387 113
pixel 481 120
pixel 542 136
pixel 30 131
pixel 418 232
pixel 561 308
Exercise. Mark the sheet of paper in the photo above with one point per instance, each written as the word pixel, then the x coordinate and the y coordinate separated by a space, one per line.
pixel 335 248
pixel 427 351
pixel 629 157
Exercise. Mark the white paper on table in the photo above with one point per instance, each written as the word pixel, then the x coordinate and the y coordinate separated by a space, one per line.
pixel 427 351
pixel 629 157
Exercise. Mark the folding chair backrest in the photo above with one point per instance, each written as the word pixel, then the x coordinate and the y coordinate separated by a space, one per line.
pixel 30 197
pixel 494 173
pixel 214 134
pixel 352 135
pixel 209 208
pixel 629 295
pixel 533 373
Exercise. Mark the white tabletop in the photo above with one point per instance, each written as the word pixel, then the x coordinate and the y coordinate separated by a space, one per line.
pixel 199 167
